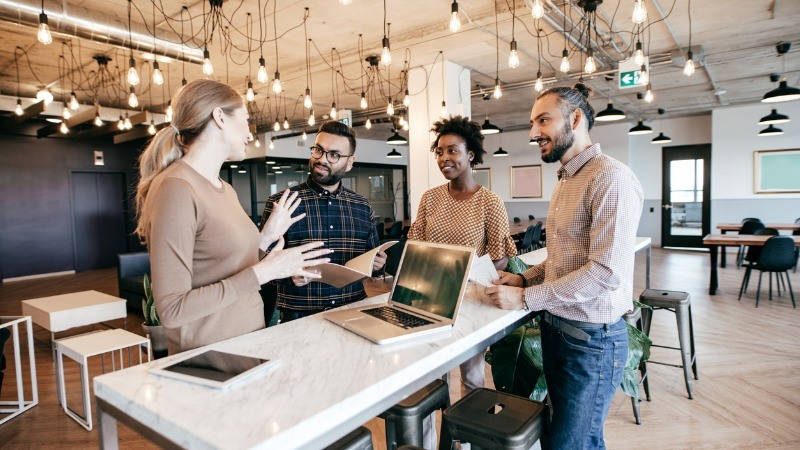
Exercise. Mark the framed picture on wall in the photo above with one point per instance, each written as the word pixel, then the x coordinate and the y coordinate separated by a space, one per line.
pixel 483 177
pixel 776 171
pixel 526 181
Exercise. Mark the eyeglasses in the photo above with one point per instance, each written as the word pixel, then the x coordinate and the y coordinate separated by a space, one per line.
pixel 331 155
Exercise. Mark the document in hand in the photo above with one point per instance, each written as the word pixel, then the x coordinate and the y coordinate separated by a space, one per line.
pixel 354 270
pixel 483 271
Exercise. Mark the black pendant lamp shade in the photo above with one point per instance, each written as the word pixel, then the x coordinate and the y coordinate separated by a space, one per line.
pixel 500 152
pixel 661 139
pixel 782 93
pixel 770 131
pixel 533 142
pixel 489 127
pixel 396 139
pixel 640 128
pixel 394 154
pixel 773 117
pixel 609 114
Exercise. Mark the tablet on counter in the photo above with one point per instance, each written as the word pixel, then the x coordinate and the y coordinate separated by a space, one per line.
pixel 214 368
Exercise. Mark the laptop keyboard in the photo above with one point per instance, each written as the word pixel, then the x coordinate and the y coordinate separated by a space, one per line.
pixel 395 317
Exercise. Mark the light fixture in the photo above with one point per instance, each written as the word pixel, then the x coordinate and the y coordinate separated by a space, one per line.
pixel 498 92
pixel 455 22
pixel 98 122
pixel 368 124
pixel 489 127
pixel 120 123
pixel 644 76
pixel 406 99
pixel 18 109
pixel 443 110
pixel 773 118
pixel 276 126
pixel 610 114
pixel 45 95
pixel 500 153
pixel 537 9
pixel 133 101
pixel 394 153
pixel 688 67
pixel 66 114
pixel 533 142
pixel 334 113
pixel 151 129
pixel 168 115
pixel 43 35
pixel 233 166
pixel 208 68
pixel 345 2
pixel 242 170
pixel 307 100
pixel 272 144
pixel 276 83
pixel 783 93
pixel 386 54
pixel 285 123
pixel 661 139
pixel 262 76
pixel 158 77
pixel 304 136
pixel 278 172
pixel 770 131
pixel 539 85
pixel 63 128
pixel 390 107
pixel 590 66
pixel 513 56
pixel 73 101
pixel 127 122
pixel 257 143
pixel 133 74
pixel 396 139
pixel 405 125
pixel 311 120
pixel 638 54
pixel 364 103
pixel 250 95
pixel 648 95
pixel 639 12
pixel 53 120
pixel 270 163
pixel 564 67
pixel 640 128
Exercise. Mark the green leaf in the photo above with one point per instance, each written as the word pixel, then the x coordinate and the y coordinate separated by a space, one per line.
pixel 516 265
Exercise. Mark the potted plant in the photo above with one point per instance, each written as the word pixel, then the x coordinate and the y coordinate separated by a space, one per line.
pixel 152 324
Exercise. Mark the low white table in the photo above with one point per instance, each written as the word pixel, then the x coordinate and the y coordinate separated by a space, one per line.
pixel 20 404
pixel 328 382
pixel 62 312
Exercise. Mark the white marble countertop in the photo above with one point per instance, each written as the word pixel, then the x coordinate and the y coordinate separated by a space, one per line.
pixel 538 256
pixel 328 382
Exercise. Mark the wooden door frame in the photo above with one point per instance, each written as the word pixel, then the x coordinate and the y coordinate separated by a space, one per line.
pixel 697 151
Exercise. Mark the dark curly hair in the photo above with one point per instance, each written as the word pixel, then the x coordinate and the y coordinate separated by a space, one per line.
pixel 467 130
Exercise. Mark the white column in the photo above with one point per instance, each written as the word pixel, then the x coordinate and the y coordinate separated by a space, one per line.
pixel 425 85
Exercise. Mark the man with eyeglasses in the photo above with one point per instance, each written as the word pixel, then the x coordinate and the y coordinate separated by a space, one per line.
pixel 336 215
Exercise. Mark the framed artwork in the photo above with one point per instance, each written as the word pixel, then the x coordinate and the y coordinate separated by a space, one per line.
pixel 483 177
pixel 526 181
pixel 776 171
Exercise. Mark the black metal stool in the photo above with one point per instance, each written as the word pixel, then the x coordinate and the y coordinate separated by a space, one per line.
pixel 358 439
pixel 634 318
pixel 493 420
pixel 678 303
pixel 404 420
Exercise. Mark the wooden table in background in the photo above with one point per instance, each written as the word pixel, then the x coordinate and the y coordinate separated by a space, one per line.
pixel 714 241
pixel 521 227
pixel 725 227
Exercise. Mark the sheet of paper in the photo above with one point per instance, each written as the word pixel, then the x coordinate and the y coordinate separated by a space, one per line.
pixel 354 270
pixel 363 262
pixel 482 271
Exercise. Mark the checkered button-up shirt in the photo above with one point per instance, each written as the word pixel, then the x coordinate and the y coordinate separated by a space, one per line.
pixel 343 220
pixel 591 234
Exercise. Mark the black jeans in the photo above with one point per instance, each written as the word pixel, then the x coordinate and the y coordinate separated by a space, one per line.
pixel 287 315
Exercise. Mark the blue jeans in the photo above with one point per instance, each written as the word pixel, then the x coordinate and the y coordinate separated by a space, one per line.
pixel 583 365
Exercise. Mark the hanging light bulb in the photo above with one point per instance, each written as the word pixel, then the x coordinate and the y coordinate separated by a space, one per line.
pixel 98 122
pixel 386 54
pixel 304 136
pixel 497 93
pixel 638 54
pixel 18 109
pixel 257 143
pixel 345 2
pixel 120 123
pixel 390 107
pixel 405 125
pixel 133 74
pixel 590 65
pixel 285 123
pixel 43 35
pixel 644 76
pixel 184 82
pixel 401 121
pixel 168 115
pixel 311 120
pixel 564 67
pixel 276 83
pixel 73 101
pixel 539 85
pixel 364 103
pixel 648 95
pixel 63 128
pixel 334 113
pixel 513 56
pixel 537 9
pixel 276 126
pixel 688 68
pixel 158 77
pixel 368 124
pixel 151 129
pixel 307 100
pixel 45 95
pixel 133 101
pixel 406 99
pixel 208 68
pixel 66 114
pixel 639 12
pixel 443 111
pixel 272 144
pixel 455 22
pixel 127 122
pixel 262 71
pixel 250 95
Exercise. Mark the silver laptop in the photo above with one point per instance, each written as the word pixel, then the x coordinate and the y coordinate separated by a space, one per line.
pixel 427 292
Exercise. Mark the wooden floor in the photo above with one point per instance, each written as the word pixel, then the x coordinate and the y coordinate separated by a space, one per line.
pixel 748 394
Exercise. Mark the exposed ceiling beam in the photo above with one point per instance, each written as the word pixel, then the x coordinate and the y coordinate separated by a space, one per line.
pixel 14 121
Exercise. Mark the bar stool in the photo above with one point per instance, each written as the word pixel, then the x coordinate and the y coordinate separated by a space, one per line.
pixel 493 420
pixel 678 303
pixel 358 439
pixel 634 318
pixel 404 420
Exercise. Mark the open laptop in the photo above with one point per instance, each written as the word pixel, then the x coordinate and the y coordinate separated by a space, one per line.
pixel 427 292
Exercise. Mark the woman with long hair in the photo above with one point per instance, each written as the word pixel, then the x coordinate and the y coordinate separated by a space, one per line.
pixel 204 250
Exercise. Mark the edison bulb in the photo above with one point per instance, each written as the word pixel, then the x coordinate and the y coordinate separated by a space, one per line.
pixel 368 124
pixel 455 21
pixel 564 67
pixel 539 85
pixel 66 114
pixel 168 115
pixel 644 76
pixel 590 65
pixel 498 92
pixel 276 84
pixel 311 120
pixel 272 144
pixel 276 126
pixel 257 143
pixel 127 122
pixel 120 124
pixel 98 122
pixel 304 136
pixel 208 68
pixel 390 108
pixel 407 100
pixel 363 103
pixel 133 101
pixel 43 35
pixel 537 9
pixel 386 54
pixel 648 96
pixel 151 129
pixel 133 74
pixel 443 111
pixel 63 128
pixel 333 113
pixel 513 59
pixel 73 102
pixel 285 123
pixel 45 95
pixel 18 109
pixel 262 75
pixel 638 55
pixel 307 100
pixel 639 12
pixel 250 95
pixel 688 68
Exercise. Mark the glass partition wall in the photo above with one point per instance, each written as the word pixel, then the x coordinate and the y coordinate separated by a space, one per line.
pixel 254 180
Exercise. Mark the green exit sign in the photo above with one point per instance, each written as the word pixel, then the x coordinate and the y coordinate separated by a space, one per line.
pixel 629 79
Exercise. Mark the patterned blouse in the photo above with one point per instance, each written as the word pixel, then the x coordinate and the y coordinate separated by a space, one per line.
pixel 479 221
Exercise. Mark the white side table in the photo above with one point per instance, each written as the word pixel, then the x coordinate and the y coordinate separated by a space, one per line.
pixel 20 405
pixel 62 312
pixel 80 348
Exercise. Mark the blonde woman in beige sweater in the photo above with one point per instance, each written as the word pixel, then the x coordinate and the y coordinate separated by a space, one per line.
pixel 205 252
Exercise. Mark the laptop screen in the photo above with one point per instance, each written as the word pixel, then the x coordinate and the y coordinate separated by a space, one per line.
pixel 430 278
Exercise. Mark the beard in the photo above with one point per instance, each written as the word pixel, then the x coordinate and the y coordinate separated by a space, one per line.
pixel 561 144
pixel 330 179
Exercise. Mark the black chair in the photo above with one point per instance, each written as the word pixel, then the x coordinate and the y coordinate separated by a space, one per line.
pixel 750 226
pixel 796 249
pixel 748 219
pixel 517 220
pixel 5 333
pixel 533 236
pixel 379 229
pixel 776 256
pixel 404 421
pixel 395 231
pixel 132 267
pixel 358 439
pixel 530 217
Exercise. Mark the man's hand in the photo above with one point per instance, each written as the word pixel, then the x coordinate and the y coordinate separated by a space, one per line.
pixel 506 297
pixel 509 279
pixel 379 261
